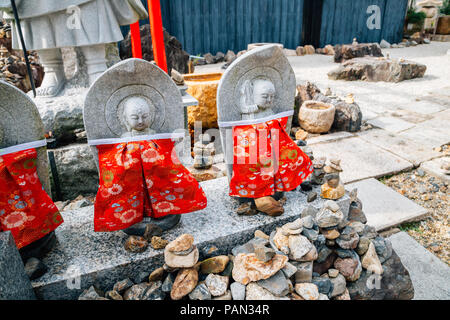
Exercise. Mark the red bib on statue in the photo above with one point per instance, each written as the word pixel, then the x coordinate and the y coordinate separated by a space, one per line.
pixel 25 208
pixel 143 179
pixel 266 160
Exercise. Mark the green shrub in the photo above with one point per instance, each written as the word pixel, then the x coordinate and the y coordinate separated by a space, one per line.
pixel 415 17
pixel 445 9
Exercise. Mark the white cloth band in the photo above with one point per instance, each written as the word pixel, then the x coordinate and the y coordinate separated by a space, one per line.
pixel 158 136
pixel 229 124
pixel 23 146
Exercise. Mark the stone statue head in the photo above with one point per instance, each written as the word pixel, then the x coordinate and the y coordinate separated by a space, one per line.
pixel 259 92
pixel 136 114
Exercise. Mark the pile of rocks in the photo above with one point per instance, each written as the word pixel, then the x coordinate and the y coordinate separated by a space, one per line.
pixel 13 68
pixel 308 49
pixel 327 50
pixel 228 58
pixel 416 39
pixel 347 117
pixel 325 254
pixel 177 58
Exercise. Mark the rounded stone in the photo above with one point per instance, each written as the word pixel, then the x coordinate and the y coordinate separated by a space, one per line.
pixel 247 268
pixel 181 261
pixel 136 244
pixel 217 285
pixel 214 265
pixel 184 283
pixel 307 291
pixel 180 244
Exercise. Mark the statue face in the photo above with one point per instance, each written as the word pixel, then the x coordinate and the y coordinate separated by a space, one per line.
pixel 137 114
pixel 263 93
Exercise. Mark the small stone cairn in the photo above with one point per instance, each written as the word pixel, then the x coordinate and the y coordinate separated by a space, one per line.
pixel 333 188
pixel 204 152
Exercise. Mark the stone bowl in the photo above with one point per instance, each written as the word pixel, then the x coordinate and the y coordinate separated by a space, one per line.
pixel 316 116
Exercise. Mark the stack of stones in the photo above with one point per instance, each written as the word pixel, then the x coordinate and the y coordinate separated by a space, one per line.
pixel 325 254
pixel 13 68
pixel 204 152
pixel 333 188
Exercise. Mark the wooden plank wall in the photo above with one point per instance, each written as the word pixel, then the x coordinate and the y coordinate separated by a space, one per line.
pixel 343 20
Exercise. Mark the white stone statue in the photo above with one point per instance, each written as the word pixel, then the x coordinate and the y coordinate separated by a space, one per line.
pixel 49 25
pixel 257 99
pixel 137 117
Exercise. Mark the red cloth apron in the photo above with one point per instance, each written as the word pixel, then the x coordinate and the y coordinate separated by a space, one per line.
pixel 140 179
pixel 266 160
pixel 25 208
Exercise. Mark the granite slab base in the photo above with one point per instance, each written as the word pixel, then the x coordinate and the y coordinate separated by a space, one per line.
pixel 14 282
pixel 83 258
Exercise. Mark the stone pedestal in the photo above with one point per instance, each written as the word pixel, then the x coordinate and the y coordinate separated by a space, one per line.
pixel 87 258
pixel 14 282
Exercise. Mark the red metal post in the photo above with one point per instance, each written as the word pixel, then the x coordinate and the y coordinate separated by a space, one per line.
pixel 159 49
pixel 136 46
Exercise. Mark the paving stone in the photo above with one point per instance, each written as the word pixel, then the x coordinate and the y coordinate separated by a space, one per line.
pixel 423 107
pixel 401 146
pixel 433 168
pixel 430 276
pixel 361 159
pixel 384 207
pixel 391 124
pixel 431 133
pixel 330 137
pixel 410 116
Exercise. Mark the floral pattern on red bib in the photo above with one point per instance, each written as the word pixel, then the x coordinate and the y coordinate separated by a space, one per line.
pixel 25 208
pixel 266 160
pixel 143 179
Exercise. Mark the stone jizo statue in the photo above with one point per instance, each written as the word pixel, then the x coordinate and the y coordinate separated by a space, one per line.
pixel 49 25
pixel 256 98
pixel 26 208
pixel 132 120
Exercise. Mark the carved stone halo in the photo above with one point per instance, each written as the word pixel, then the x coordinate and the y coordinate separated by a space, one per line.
pixel 7 128
pixel 115 104
pixel 20 121
pixel 103 109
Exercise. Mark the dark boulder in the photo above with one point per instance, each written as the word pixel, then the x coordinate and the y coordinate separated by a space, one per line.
pixel 394 284
pixel 346 52
pixel 177 58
